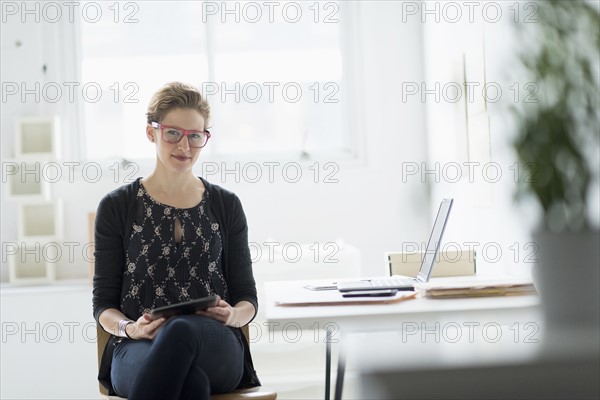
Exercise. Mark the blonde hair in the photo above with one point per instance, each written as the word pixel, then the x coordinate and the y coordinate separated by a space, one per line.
pixel 176 95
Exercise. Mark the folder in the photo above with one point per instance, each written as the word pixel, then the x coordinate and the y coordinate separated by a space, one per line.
pixel 479 288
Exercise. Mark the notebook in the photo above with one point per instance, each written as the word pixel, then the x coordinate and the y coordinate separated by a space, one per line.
pixel 405 282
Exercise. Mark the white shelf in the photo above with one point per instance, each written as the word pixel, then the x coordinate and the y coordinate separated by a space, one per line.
pixel 28 265
pixel 37 137
pixel 24 184
pixel 39 218
pixel 40 221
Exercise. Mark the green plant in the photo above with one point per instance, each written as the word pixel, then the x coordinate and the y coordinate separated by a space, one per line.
pixel 558 135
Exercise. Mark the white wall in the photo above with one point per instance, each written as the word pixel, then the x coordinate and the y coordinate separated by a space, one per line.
pixel 485 215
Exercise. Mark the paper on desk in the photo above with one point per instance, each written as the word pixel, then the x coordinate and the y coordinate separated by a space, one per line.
pixel 304 297
pixel 479 288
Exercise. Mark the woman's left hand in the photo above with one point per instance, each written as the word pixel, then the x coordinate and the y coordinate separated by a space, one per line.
pixel 222 312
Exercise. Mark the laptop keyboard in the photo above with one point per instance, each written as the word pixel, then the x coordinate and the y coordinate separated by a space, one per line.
pixel 382 283
pixel 390 282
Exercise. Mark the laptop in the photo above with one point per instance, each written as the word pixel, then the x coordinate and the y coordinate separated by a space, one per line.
pixel 407 282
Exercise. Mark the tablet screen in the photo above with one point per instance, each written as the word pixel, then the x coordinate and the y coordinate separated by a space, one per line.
pixel 188 307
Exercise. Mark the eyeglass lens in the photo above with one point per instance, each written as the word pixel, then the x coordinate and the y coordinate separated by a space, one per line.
pixel 196 139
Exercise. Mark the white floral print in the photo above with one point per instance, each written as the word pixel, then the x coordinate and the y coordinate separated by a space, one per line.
pixel 160 271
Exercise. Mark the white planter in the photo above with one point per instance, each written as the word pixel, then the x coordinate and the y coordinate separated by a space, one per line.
pixel 567 276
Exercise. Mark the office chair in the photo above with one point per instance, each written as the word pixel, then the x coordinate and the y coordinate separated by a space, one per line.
pixel 255 393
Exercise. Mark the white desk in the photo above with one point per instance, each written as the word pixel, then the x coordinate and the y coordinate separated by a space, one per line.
pixel 403 316
pixel 504 369
pixel 502 310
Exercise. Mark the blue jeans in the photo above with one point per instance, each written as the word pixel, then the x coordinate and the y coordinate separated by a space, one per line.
pixel 191 357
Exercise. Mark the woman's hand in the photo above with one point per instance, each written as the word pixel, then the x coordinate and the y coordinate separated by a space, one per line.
pixel 236 316
pixel 144 327
pixel 222 312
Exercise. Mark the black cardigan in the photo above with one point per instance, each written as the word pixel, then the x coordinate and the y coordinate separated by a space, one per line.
pixel 114 219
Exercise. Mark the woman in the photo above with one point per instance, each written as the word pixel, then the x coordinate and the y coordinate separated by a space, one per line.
pixel 167 238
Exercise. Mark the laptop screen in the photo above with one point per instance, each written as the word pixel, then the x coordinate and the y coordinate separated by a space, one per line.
pixel 434 241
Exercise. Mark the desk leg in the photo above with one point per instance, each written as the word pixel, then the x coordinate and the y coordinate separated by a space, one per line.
pixel 339 382
pixel 327 364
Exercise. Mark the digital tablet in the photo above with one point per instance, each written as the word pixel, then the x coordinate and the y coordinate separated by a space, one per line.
pixel 188 307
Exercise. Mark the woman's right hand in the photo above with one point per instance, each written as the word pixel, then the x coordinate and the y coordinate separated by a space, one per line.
pixel 144 327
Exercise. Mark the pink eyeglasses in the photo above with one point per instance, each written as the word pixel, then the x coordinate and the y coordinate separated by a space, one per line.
pixel 173 135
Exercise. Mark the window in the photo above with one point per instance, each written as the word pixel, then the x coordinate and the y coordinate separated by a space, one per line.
pixel 272 74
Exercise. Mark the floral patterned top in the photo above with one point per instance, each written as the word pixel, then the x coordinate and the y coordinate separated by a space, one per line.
pixel 160 271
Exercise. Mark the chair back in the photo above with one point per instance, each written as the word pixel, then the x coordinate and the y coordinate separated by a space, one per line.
pixel 101 340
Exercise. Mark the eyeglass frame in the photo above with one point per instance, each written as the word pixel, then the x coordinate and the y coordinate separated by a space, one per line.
pixel 186 132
